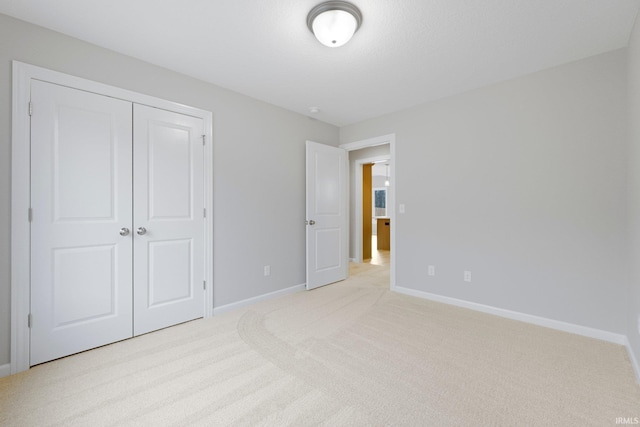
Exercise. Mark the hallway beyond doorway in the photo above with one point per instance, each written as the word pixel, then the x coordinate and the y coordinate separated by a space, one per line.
pixel 378 257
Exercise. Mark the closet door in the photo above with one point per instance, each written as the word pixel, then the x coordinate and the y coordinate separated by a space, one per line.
pixel 81 246
pixel 168 218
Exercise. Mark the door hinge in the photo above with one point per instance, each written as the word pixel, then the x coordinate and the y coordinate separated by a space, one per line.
pixel 204 212
pixel 30 108
pixel 29 320
pixel 204 139
pixel 30 214
pixel 204 285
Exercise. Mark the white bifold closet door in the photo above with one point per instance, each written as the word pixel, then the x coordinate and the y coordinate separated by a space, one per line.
pixel 117 225
pixel 168 207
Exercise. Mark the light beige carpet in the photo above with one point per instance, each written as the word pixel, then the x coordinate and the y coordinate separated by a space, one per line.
pixel 347 354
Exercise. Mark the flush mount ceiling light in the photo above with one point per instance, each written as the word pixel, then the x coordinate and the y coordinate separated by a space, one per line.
pixel 334 22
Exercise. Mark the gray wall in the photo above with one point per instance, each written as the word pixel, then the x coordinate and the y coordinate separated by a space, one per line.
pixel 634 189
pixel 524 184
pixel 364 153
pixel 258 163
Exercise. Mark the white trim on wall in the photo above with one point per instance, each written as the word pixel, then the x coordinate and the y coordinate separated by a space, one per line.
pixel 370 142
pixel 534 320
pixel 250 301
pixel 20 230
pixel 20 191
pixel 373 142
pixel 522 317
pixel 5 370
pixel 632 358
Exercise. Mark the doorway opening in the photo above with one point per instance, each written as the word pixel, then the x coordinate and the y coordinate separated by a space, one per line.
pixel 372 230
pixel 376 223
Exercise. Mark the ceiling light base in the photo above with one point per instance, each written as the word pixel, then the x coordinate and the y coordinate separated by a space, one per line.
pixel 334 22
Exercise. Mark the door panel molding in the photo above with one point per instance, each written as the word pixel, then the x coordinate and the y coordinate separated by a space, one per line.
pixel 167 169
pixel 81 150
pixel 23 74
pixel 327 211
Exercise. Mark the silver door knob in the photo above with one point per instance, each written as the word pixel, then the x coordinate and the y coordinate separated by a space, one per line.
pixel 124 231
pixel 141 231
pixel 312 222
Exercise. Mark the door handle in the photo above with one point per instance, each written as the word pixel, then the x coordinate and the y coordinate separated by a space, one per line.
pixel 141 231
pixel 312 222
pixel 124 231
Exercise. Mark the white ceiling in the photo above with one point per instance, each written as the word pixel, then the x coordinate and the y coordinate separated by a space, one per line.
pixel 407 52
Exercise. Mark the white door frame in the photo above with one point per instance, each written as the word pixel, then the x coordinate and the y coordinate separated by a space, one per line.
pixel 21 191
pixel 391 211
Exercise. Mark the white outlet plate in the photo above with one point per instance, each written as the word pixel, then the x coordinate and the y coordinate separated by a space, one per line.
pixel 267 270
pixel 431 270
pixel 467 276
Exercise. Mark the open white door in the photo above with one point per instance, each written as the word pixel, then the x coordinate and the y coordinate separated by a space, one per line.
pixel 327 216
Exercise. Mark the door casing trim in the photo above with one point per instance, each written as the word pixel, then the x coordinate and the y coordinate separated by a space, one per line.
pixel 21 190
pixel 373 142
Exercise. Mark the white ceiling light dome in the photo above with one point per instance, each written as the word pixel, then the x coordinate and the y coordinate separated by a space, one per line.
pixel 334 22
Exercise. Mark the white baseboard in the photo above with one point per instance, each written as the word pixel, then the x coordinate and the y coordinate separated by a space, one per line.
pixel 527 318
pixel 632 357
pixel 235 305
pixel 5 370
